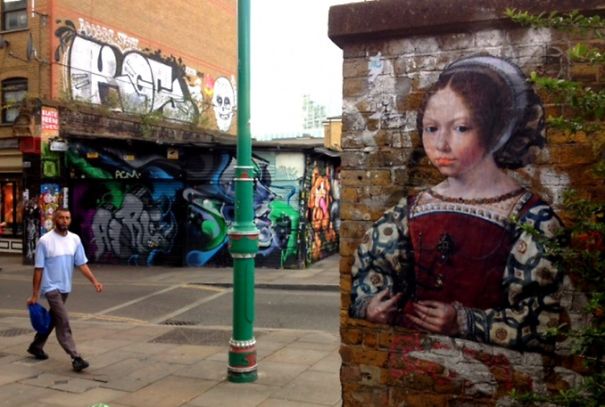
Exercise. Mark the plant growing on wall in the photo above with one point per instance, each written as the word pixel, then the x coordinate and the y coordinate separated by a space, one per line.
pixel 583 254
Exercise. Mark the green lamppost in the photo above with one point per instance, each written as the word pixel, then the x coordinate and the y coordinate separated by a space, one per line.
pixel 243 235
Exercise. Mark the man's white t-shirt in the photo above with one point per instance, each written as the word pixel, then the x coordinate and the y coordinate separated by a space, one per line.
pixel 57 255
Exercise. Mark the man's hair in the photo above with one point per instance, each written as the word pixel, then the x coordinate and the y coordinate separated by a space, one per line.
pixel 61 209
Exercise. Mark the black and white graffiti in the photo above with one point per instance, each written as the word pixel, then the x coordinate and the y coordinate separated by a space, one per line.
pixel 137 231
pixel 223 102
pixel 106 67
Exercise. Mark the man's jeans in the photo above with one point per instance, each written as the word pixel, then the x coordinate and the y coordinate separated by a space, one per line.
pixel 60 322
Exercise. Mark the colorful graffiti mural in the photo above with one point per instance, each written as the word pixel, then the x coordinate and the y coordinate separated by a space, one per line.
pixel 137 207
pixel 51 197
pixel 104 66
pixel 323 211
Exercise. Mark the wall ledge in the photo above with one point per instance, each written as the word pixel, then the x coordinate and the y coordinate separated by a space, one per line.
pixel 372 20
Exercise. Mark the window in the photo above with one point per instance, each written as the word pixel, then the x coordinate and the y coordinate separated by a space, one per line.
pixel 11 208
pixel 14 14
pixel 14 91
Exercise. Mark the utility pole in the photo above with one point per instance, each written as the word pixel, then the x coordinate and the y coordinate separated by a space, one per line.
pixel 243 235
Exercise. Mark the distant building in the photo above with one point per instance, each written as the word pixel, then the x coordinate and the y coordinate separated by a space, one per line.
pixel 313 114
pixel 126 112
pixel 333 133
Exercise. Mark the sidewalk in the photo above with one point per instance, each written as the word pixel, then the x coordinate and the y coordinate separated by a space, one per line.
pixel 151 365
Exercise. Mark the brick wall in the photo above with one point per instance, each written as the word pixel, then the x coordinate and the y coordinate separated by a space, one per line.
pixel 199 35
pixel 176 57
pixel 392 50
pixel 203 33
pixel 14 61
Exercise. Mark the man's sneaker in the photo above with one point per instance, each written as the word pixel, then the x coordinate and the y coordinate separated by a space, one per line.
pixel 37 353
pixel 79 364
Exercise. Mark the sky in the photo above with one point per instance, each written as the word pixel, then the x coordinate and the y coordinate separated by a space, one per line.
pixel 290 56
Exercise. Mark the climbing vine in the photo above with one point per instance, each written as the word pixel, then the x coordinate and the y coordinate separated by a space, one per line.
pixel 581 251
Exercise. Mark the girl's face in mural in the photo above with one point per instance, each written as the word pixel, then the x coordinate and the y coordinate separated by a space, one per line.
pixel 451 140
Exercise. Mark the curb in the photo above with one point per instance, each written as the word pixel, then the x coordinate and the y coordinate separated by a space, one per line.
pixel 280 286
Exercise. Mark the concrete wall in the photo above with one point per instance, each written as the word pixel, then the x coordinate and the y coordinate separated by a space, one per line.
pixel 393 49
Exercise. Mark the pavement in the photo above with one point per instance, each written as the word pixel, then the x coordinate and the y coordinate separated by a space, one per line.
pixel 144 364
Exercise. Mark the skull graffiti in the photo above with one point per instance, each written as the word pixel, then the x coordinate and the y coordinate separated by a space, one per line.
pixel 223 102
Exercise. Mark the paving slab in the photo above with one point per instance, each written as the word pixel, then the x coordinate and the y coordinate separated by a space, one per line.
pixel 167 392
pixel 62 383
pixel 88 398
pixel 98 362
pixel 142 349
pixel 17 394
pixel 285 403
pixel 94 347
pixel 329 364
pixel 137 332
pixel 318 346
pixel 186 354
pixel 265 348
pixel 306 357
pixel 10 372
pixel 212 370
pixel 134 374
pixel 320 337
pixel 284 336
pixel 278 374
pixel 234 394
pixel 312 387
pixel 6 358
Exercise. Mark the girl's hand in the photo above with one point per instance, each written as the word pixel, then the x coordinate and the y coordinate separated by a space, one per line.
pixel 382 307
pixel 435 316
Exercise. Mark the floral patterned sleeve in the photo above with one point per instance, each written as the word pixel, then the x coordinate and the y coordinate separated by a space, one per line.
pixel 381 259
pixel 533 286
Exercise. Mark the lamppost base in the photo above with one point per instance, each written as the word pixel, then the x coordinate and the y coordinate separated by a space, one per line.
pixel 242 377
pixel 242 361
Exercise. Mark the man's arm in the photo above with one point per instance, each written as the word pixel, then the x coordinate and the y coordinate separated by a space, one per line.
pixel 84 269
pixel 37 282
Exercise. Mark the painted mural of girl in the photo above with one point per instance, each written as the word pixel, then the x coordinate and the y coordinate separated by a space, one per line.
pixel 449 259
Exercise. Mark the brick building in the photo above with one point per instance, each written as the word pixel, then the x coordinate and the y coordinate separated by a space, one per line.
pixel 394 49
pixel 126 113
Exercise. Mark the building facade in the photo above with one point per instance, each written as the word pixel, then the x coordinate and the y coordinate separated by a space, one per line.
pixel 126 112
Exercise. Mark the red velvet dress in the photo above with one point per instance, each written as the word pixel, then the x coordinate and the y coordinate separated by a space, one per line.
pixel 460 252
pixel 470 253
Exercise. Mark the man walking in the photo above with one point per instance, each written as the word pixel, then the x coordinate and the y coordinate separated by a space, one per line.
pixel 57 253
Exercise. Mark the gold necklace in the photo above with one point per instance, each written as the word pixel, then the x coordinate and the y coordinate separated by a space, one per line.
pixel 476 201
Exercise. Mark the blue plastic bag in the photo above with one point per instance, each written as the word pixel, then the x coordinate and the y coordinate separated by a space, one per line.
pixel 40 318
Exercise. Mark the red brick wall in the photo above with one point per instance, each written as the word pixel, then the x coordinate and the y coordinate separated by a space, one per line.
pixel 201 35
pixel 392 50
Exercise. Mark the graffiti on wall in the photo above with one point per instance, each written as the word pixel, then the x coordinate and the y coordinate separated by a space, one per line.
pixel 223 102
pixel 132 224
pixel 143 208
pixel 50 199
pixel 386 90
pixel 32 219
pixel 106 67
pixel 288 171
pixel 323 211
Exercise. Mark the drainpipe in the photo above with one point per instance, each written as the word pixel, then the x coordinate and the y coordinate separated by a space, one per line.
pixel 243 235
